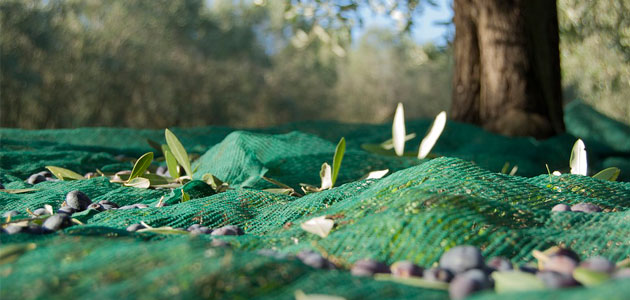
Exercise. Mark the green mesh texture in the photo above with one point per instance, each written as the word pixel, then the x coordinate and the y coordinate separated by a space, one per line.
pixel 419 211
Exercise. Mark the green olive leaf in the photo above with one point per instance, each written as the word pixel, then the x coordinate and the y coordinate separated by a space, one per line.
pixel 273 181
pixel 139 182
pixel 64 174
pixel 609 174
pixel 178 151
pixel 512 281
pixel 185 196
pixel 171 164
pixel 141 166
pixel 589 277
pixel 280 191
pixel 413 281
pixel 504 170
pixel 157 180
pixel 337 158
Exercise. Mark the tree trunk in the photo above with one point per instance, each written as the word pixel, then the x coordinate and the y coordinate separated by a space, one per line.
pixel 507 66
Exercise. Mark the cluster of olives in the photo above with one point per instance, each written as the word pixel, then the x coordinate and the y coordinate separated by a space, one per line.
pixel 580 207
pixel 464 268
pixel 40 177
pixel 76 201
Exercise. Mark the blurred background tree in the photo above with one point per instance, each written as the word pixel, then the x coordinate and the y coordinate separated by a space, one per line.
pixel 251 63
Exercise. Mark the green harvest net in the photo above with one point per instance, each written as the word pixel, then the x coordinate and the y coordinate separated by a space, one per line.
pixel 420 210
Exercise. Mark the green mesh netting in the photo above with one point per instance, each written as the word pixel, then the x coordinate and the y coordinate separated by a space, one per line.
pixel 417 212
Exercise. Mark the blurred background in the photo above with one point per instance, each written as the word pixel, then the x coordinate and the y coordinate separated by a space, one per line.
pixel 256 63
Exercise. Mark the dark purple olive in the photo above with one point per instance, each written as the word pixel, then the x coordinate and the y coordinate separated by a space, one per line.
pixel 561 207
pixel 107 206
pixel 368 267
pixel 96 206
pixel 162 171
pixel 462 258
pixel 66 210
pixel 78 200
pixel 46 174
pixel 556 280
pixel 438 274
pixel 35 179
pixel 561 264
pixel 107 202
pixel 467 283
pixel 500 264
pixel 406 269
pixel 586 207
pixel 201 230
pixel 193 226
pixel 228 230
pixel 315 260
pixel 56 222
pixel 598 264
pixel 528 269
pixel 40 212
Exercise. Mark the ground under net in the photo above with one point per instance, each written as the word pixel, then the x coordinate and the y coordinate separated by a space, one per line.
pixel 417 212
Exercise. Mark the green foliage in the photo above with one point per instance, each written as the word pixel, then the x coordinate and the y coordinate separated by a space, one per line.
pixel 337 158
pixel 64 174
pixel 141 165
pixel 589 277
pixel 171 163
pixel 595 54
pixel 132 63
pixel 609 174
pixel 179 152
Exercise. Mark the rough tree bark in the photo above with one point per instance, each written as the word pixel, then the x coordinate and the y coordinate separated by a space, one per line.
pixel 507 66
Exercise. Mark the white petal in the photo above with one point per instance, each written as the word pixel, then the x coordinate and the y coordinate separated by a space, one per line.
pixel 578 158
pixel 319 226
pixel 398 130
pixel 434 134
pixel 326 175
pixel 377 174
